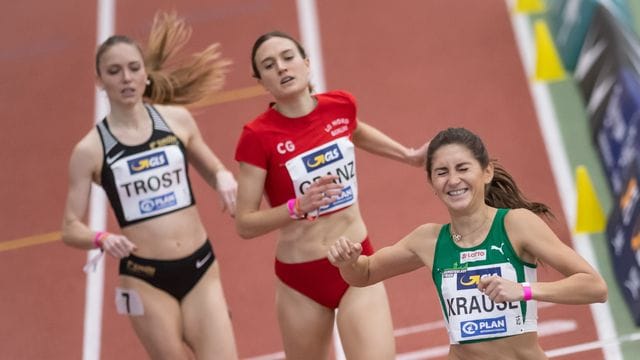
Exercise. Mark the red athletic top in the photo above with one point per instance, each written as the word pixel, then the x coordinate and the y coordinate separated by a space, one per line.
pixel 294 151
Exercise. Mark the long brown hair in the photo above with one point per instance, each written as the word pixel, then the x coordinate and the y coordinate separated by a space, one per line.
pixel 174 81
pixel 502 192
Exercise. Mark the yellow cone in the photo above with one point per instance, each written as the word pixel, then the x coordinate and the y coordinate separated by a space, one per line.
pixel 548 64
pixel 530 6
pixel 590 216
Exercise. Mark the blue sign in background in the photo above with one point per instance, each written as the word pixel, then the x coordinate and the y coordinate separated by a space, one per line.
pixel 623 235
pixel 618 141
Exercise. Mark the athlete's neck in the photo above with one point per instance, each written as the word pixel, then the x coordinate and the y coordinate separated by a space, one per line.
pixel 131 118
pixel 470 226
pixel 297 106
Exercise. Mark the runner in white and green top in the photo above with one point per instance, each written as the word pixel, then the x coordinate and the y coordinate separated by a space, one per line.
pixel 470 315
pixel 483 261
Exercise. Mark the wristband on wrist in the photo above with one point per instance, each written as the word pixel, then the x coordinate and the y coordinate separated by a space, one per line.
pixel 527 294
pixel 294 209
pixel 309 216
pixel 97 240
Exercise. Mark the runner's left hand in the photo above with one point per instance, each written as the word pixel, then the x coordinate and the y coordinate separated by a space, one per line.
pixel 500 289
pixel 227 189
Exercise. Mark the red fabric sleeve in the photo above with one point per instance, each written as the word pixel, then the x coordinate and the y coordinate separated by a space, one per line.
pixel 250 149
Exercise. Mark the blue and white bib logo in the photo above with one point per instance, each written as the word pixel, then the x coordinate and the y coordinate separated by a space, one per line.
pixel 157 203
pixel 147 162
pixel 345 196
pixel 471 278
pixel 322 157
pixel 483 327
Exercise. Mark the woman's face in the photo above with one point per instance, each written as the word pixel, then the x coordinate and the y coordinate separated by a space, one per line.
pixel 122 73
pixel 283 72
pixel 458 178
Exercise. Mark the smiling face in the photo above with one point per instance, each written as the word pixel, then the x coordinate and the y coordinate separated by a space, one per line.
pixel 121 73
pixel 282 69
pixel 458 177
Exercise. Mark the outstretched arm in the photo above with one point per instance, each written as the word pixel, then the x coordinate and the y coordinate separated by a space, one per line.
pixel 412 252
pixel 581 285
pixel 376 142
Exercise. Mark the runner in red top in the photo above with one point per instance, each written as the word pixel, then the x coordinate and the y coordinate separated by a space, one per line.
pixel 300 154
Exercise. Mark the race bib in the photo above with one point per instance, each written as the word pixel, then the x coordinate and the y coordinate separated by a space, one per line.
pixel 336 157
pixel 152 182
pixel 128 302
pixel 472 315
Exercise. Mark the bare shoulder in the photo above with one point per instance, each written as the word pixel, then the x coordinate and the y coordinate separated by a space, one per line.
pixel 428 230
pixel 517 219
pixel 175 115
pixel 176 112
pixel 423 237
pixel 90 144
pixel 88 151
pixel 422 242
pixel 527 231
pixel 179 119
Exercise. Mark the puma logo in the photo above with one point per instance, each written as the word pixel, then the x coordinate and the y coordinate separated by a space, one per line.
pixel 493 247
pixel 201 262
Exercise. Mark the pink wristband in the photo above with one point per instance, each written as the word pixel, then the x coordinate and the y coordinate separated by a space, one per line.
pixel 97 240
pixel 526 288
pixel 291 206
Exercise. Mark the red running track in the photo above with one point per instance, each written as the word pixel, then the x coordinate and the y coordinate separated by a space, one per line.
pixel 415 67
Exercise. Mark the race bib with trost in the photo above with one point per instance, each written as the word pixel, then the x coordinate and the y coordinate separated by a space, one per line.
pixel 336 157
pixel 152 182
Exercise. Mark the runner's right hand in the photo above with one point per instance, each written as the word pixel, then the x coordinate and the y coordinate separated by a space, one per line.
pixel 118 246
pixel 344 252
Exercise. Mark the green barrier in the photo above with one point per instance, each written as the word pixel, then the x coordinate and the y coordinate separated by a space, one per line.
pixel 569 21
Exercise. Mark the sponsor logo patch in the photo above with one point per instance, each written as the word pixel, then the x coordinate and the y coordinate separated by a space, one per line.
pixel 345 197
pixel 147 162
pixel 322 157
pixel 476 255
pixel 157 203
pixel 489 326
pixel 471 278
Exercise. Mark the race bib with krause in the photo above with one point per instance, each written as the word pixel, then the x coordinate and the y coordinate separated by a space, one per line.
pixel 472 315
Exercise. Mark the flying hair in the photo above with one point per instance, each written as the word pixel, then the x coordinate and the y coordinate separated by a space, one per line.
pixel 180 81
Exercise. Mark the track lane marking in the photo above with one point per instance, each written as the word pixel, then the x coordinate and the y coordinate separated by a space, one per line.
pixel 30 241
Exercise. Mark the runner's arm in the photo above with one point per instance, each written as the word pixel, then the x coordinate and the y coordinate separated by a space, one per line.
pixel 207 163
pixel 252 221
pixel 581 283
pixel 74 231
pixel 376 142
pixel 402 257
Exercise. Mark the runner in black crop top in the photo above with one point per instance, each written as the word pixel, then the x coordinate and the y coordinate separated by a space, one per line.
pixel 146 180
pixel 169 272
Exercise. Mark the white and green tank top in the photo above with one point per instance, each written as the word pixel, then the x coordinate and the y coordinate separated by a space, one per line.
pixel 470 315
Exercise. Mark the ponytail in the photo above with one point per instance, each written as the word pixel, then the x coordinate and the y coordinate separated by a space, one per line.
pixel 503 192
pixel 186 82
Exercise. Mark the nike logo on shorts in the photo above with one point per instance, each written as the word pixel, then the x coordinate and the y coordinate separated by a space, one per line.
pixel 203 261
pixel 110 159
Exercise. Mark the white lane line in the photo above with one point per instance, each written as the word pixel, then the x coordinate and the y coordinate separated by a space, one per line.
pixel 94 291
pixel 310 38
